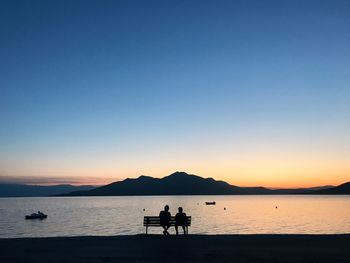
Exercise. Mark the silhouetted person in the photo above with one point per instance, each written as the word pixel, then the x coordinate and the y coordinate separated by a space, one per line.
pixel 180 220
pixel 164 217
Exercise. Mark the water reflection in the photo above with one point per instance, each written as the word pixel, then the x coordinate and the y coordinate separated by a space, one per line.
pixel 124 215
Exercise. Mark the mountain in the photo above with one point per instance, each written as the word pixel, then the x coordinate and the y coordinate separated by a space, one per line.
pixel 178 183
pixel 23 190
pixel 181 183
pixel 309 190
pixel 343 189
pixel 321 187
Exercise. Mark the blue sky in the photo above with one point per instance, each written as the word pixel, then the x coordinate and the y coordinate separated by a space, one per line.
pixel 112 89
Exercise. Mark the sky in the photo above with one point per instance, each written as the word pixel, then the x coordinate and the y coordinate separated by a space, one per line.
pixel 251 92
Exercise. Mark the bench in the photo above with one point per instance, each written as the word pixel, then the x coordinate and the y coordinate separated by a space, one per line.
pixel 155 221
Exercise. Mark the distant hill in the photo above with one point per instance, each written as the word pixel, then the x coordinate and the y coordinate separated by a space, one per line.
pixel 181 183
pixel 309 190
pixel 23 190
pixel 343 189
pixel 178 183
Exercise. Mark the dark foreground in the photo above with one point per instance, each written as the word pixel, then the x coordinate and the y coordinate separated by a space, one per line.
pixel 193 248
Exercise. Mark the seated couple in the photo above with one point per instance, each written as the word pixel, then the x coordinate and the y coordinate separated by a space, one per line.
pixel 180 220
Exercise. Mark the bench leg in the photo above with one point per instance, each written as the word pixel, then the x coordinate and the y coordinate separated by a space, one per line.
pixel 146 230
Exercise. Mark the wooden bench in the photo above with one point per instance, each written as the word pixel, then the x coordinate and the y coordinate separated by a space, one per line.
pixel 155 221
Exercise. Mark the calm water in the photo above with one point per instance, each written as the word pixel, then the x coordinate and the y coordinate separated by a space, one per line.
pixel 124 215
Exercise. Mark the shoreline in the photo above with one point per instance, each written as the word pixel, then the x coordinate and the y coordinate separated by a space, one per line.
pixel 181 236
pixel 191 248
pixel 270 194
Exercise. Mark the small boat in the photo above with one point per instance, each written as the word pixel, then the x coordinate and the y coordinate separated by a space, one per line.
pixel 36 216
pixel 210 203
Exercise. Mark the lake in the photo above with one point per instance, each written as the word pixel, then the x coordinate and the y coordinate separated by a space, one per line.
pixel 76 216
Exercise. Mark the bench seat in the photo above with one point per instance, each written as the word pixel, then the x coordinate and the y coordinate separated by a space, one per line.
pixel 154 221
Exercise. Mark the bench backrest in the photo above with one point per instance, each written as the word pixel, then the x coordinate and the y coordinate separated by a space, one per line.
pixel 155 221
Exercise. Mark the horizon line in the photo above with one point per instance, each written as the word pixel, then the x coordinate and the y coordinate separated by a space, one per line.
pixel 98 182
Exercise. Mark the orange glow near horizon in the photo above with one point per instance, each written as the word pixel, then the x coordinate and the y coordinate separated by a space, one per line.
pixel 242 172
pixel 242 167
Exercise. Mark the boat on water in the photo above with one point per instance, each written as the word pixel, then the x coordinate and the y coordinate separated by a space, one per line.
pixel 210 203
pixel 38 215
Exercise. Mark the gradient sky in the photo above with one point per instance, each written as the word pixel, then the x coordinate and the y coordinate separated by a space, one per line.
pixel 251 92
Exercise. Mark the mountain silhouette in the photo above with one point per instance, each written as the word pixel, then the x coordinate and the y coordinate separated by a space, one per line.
pixel 23 190
pixel 343 189
pixel 180 183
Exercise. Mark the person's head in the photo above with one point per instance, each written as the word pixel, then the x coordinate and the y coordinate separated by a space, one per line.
pixel 166 208
pixel 180 209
